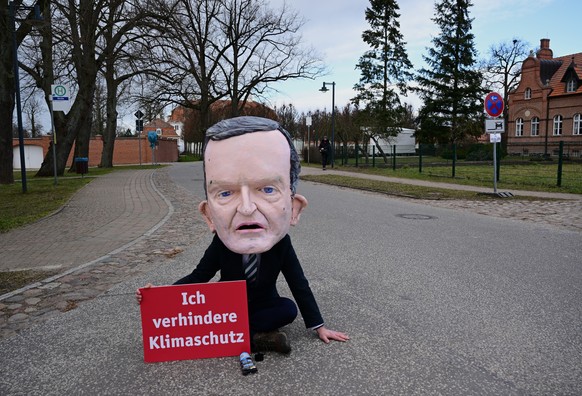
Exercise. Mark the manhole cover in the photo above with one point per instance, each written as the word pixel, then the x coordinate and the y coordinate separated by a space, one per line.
pixel 414 216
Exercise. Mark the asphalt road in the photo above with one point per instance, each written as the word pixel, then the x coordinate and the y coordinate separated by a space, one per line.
pixel 435 301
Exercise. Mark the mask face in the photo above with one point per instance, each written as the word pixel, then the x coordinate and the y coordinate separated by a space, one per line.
pixel 249 201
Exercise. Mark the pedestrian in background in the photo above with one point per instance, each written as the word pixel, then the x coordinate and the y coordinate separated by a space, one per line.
pixel 324 149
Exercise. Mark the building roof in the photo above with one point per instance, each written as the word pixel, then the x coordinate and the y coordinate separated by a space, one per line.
pixel 568 64
pixel 167 128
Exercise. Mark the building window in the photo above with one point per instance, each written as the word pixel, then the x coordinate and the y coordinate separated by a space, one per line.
pixel 527 93
pixel 577 129
pixel 519 127
pixel 571 85
pixel 535 126
pixel 558 125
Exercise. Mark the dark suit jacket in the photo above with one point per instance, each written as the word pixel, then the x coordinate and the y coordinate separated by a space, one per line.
pixel 280 259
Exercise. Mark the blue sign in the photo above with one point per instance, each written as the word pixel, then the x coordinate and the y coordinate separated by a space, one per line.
pixel 152 138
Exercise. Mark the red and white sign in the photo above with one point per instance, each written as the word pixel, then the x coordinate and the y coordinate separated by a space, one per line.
pixel 494 104
pixel 203 320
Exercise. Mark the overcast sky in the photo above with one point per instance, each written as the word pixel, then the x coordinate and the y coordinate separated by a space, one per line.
pixel 334 28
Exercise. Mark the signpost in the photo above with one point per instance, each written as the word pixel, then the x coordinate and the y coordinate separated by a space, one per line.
pixel 308 123
pixel 138 130
pixel 495 126
pixel 60 100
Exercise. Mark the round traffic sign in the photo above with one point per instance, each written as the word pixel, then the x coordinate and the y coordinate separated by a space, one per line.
pixel 494 104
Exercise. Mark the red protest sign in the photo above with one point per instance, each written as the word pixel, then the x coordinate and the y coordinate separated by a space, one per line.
pixel 195 321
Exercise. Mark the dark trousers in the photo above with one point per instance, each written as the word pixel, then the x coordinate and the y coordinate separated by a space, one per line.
pixel 271 315
pixel 323 159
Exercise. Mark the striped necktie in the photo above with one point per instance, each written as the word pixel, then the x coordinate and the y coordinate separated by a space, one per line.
pixel 251 268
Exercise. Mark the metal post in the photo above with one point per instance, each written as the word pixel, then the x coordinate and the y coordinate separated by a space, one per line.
pixel 394 157
pixel 454 157
pixel 12 11
pixel 332 123
pixel 495 167
pixel 560 161
pixel 308 122
pixel 54 139
pixel 420 158
pixel 324 89
pixel 139 145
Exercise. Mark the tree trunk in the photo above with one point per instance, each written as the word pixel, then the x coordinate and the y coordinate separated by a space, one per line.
pixel 6 111
pixel 110 125
pixel 380 151
pixel 6 97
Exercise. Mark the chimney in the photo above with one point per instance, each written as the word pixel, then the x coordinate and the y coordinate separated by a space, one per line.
pixel 545 52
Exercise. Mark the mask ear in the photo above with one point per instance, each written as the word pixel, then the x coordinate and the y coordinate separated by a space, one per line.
pixel 205 211
pixel 298 203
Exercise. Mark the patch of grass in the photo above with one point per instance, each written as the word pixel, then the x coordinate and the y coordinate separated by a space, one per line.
pixel 189 158
pixel 527 176
pixel 398 189
pixel 14 280
pixel 42 198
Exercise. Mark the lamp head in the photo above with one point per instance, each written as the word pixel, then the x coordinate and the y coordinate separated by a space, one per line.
pixel 324 88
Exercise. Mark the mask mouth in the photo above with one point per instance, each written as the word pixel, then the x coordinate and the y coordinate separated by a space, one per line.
pixel 249 226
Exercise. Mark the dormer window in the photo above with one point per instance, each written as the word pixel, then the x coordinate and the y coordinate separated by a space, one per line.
pixel 571 85
pixel 527 93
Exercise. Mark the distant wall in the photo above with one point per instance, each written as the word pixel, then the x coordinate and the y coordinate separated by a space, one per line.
pixel 126 150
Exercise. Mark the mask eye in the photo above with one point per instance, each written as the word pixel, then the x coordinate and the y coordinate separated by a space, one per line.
pixel 224 194
pixel 268 190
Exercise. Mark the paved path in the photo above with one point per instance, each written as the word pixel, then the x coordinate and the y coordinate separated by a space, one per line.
pixel 127 223
pixel 105 215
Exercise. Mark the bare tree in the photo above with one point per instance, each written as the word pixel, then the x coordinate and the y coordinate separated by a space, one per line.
pixel 7 82
pixel 33 110
pixel 287 117
pixel 264 46
pixel 186 56
pixel 121 48
pixel 68 54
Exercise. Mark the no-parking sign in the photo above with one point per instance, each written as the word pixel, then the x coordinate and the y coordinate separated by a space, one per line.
pixel 494 104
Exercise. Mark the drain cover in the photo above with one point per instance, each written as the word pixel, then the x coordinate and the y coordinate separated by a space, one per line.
pixel 416 216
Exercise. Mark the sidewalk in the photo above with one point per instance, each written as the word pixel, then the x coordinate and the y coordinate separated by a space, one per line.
pixel 104 216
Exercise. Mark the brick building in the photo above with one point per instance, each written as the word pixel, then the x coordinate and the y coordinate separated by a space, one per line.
pixel 126 151
pixel 546 107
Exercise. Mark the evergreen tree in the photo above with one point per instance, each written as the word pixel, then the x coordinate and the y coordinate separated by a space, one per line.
pixel 385 70
pixel 450 85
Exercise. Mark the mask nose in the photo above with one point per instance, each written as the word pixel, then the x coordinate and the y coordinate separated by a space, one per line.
pixel 247 205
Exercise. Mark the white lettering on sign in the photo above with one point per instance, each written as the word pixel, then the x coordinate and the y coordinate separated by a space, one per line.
pixel 165 342
pixel 193 299
pixel 194 320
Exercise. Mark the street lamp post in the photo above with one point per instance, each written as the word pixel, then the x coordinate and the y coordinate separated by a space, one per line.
pixel 12 11
pixel 325 89
pixel 13 7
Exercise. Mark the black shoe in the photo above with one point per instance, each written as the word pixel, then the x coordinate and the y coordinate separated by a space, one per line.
pixel 275 341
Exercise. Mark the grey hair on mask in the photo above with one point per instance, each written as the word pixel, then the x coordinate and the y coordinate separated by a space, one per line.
pixel 247 124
